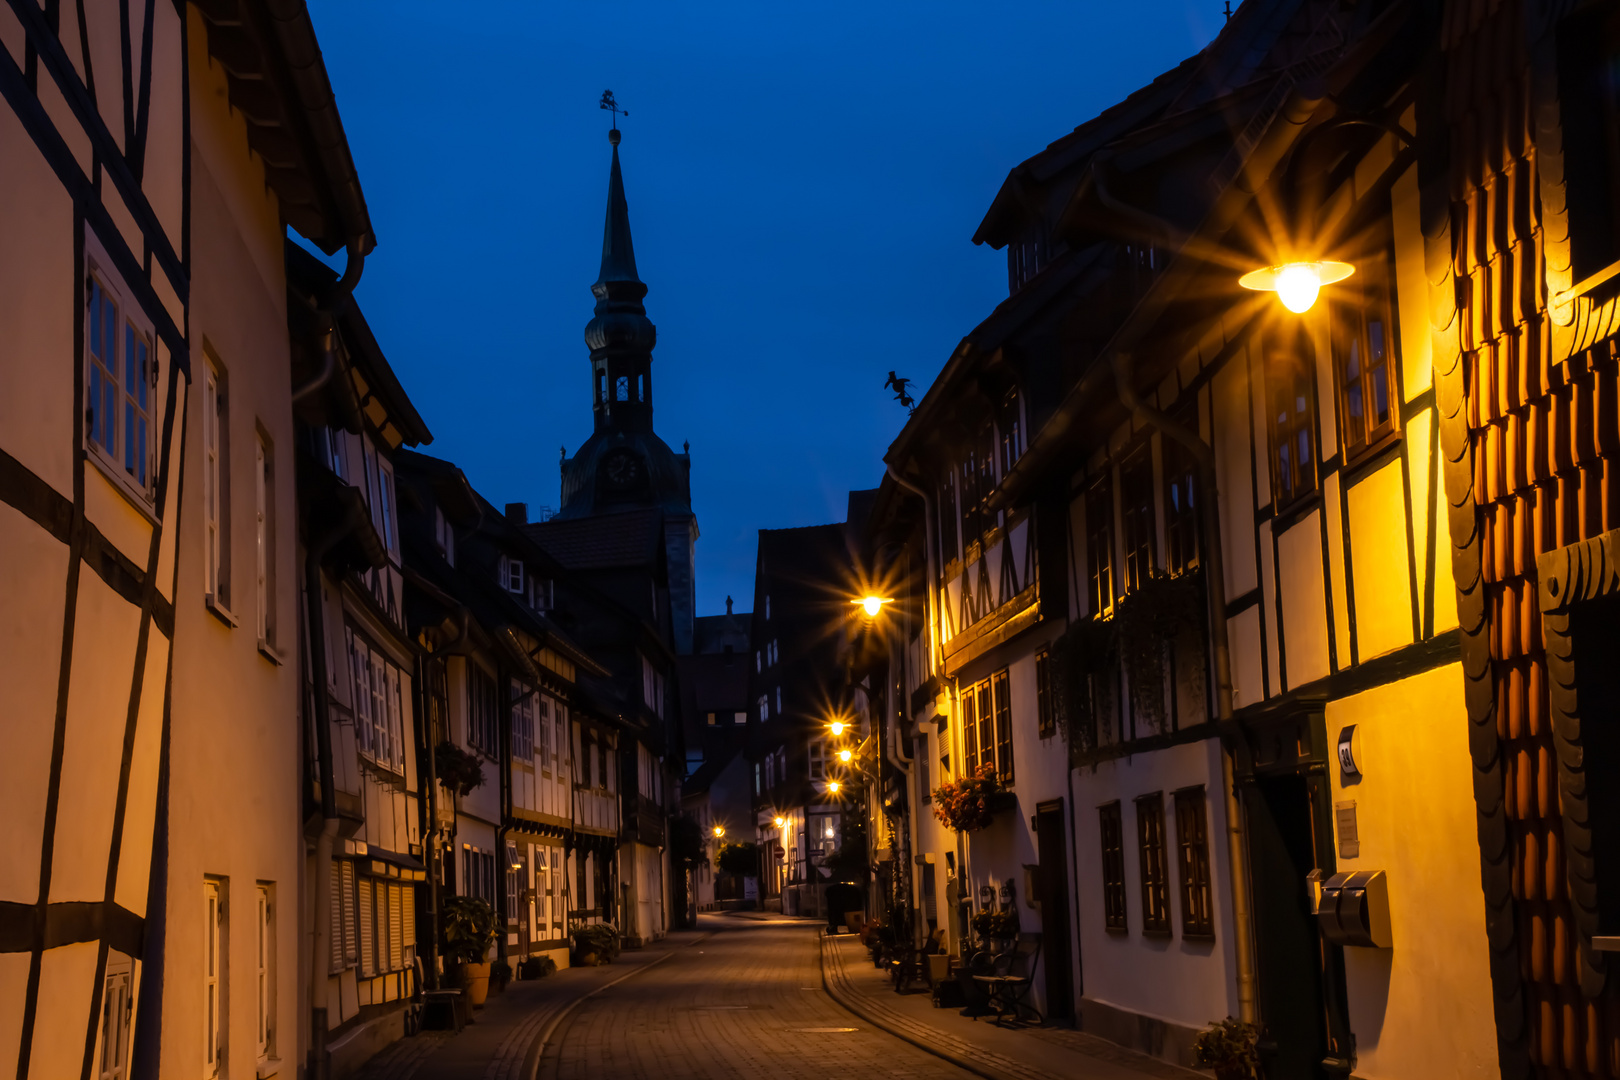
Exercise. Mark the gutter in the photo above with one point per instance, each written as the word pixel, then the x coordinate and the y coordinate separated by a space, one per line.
pixel 336 302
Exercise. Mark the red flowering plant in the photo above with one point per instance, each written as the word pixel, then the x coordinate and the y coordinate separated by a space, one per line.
pixel 968 804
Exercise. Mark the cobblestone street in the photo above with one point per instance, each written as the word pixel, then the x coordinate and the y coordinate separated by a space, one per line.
pixel 744 1002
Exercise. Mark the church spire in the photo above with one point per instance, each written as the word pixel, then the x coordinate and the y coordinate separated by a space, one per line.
pixel 621 337
pixel 618 253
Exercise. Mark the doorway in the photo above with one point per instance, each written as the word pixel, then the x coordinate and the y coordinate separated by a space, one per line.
pixel 1052 852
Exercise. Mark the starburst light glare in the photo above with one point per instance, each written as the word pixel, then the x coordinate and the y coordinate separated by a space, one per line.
pixel 1297 284
pixel 845 756
pixel 872 604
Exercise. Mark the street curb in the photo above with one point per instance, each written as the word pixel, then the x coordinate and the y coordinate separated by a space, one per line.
pixel 536 1049
pixel 901 1033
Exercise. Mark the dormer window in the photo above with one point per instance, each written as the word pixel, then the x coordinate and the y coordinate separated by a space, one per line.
pixel 512 575
pixel 444 536
pixel 542 593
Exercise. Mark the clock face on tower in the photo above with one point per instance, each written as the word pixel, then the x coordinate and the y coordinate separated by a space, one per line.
pixel 622 469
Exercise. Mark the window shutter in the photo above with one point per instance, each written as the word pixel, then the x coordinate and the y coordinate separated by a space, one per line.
pixel 395 728
pixel 350 943
pixel 396 928
pixel 410 916
pixel 368 952
pixel 335 945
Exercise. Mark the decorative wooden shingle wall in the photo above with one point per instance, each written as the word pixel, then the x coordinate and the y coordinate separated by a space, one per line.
pixel 1531 439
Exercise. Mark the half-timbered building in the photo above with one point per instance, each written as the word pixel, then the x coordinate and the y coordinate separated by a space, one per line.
pixel 362 775
pixel 151 159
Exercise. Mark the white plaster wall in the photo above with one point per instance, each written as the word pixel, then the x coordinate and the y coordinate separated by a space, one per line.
pixel 1184 982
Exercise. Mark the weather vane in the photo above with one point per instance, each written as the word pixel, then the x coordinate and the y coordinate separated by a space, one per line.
pixel 612 106
pixel 901 393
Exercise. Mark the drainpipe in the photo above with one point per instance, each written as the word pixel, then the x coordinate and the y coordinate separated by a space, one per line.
pixel 1215 592
pixel 432 847
pixel 321 959
pixel 336 302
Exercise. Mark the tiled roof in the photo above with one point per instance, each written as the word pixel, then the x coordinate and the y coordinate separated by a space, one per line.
pixel 602 542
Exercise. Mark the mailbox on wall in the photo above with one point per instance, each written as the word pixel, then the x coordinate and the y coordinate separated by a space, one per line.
pixel 1352 908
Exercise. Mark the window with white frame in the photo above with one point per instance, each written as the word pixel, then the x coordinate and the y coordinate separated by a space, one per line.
pixel 214 936
pixel 652 687
pixel 337 441
pixel 387 522
pixel 378 697
pixel 264 525
pixel 817 754
pixel 265 974
pixel 444 536
pixel 764 707
pixel 117 1009
pixel 216 482
pixel 512 576
pixel 120 382
pixel 523 717
pixel 483 727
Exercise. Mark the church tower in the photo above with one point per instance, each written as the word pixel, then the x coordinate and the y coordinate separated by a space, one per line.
pixel 624 466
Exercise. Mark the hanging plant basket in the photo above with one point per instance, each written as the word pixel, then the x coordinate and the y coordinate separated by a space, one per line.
pixel 970 804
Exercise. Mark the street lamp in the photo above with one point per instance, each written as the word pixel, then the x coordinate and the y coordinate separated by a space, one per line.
pixel 872 604
pixel 1297 283
pixel 719 830
pixel 781 822
pixel 837 727
pixel 845 756
pixel 833 786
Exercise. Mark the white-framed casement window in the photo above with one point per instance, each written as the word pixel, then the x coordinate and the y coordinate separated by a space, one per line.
pixel 387 522
pixel 764 707
pixel 120 385
pixel 216 481
pixel 444 536
pixel 523 716
pixel 264 540
pixel 337 441
pixel 512 576
pixel 214 969
pixel 265 968
pixel 378 688
pixel 817 753
pixel 117 1010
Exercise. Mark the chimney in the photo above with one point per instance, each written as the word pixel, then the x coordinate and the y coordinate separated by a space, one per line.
pixel 517 513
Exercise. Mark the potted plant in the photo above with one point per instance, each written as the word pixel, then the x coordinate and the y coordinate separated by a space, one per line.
pixel 500 973
pixel 595 944
pixel 537 967
pixel 1228 1047
pixel 970 803
pixel 996 925
pixel 458 770
pixel 469 931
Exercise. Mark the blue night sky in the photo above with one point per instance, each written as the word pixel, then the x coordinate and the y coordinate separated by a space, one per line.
pixel 803 187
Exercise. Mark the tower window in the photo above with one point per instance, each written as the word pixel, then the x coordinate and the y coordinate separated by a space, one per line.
pixel 622 389
pixel 641 388
pixel 601 386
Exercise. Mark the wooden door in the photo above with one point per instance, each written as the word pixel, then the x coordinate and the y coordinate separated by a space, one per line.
pixel 1053 852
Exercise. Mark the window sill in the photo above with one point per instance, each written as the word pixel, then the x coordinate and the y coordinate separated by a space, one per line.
pixel 1159 935
pixel 220 611
pixel 1370 457
pixel 267 1068
pixel 1118 931
pixel 268 651
pixel 118 478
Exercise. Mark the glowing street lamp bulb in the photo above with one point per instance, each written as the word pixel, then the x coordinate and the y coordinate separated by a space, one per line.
pixel 838 727
pixel 845 756
pixel 872 604
pixel 833 787
pixel 1297 284
pixel 780 822
pixel 719 830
